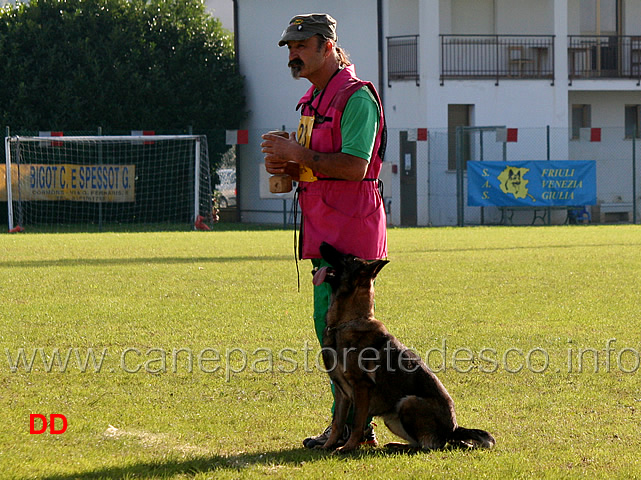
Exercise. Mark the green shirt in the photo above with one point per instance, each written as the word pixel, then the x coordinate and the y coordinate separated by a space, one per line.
pixel 359 124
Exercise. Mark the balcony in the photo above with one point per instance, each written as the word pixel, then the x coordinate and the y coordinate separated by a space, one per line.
pixel 402 58
pixel 497 57
pixel 604 56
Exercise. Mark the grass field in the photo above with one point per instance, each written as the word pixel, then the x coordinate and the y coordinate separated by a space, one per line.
pixel 192 355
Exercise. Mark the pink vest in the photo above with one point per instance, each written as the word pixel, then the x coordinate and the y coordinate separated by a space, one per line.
pixel 348 215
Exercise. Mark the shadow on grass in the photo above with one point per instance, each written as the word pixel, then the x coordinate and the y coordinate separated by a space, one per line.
pixel 78 262
pixel 168 468
pixel 499 248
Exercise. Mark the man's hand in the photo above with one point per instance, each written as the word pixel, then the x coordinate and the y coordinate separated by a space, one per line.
pixel 283 156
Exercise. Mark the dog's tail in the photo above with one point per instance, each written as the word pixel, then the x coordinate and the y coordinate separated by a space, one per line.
pixel 471 438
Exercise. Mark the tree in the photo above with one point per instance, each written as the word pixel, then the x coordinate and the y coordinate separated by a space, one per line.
pixel 118 64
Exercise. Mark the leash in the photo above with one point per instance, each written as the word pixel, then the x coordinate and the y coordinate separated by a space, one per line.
pixel 298 242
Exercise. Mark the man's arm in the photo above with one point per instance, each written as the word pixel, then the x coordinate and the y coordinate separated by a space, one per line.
pixel 335 165
pixel 359 126
pixel 284 156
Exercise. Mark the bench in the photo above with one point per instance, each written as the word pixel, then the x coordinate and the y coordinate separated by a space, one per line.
pixel 538 213
pixel 615 208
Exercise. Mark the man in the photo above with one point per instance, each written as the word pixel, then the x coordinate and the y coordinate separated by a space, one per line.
pixel 336 156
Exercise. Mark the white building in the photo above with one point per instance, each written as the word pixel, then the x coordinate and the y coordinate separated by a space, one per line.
pixel 549 68
pixel 223 10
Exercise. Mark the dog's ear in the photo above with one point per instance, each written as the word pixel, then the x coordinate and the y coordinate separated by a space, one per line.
pixel 330 254
pixel 375 266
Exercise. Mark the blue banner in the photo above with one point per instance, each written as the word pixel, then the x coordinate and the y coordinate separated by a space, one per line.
pixel 538 183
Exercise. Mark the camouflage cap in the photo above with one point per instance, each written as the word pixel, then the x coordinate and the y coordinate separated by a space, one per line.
pixel 302 27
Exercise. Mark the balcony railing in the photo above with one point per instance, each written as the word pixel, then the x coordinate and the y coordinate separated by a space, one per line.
pixel 604 56
pixel 497 57
pixel 402 58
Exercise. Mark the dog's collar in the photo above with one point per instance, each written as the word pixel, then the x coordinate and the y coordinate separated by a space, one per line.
pixel 343 325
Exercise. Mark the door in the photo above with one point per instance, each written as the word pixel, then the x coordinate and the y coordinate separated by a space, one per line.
pixel 458 116
pixel 408 180
pixel 601 19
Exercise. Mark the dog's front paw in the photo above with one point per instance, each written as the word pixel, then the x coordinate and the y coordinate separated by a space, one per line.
pixel 347 448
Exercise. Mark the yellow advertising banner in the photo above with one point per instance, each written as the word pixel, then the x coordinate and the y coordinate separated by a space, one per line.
pixel 78 183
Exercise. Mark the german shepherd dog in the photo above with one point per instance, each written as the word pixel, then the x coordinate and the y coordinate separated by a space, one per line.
pixel 375 373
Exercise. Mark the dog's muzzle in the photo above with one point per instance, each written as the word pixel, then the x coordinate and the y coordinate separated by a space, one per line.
pixel 321 274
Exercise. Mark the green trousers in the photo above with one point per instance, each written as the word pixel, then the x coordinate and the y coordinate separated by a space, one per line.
pixel 322 298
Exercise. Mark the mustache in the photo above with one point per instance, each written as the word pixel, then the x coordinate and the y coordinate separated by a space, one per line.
pixel 297 62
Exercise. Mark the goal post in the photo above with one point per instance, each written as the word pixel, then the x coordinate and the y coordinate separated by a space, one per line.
pixel 7 154
pixel 100 182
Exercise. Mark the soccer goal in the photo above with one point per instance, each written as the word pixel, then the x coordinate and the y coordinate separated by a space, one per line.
pixel 100 182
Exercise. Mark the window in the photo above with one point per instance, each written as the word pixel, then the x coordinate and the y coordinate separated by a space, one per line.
pixel 600 17
pixel 458 116
pixel 581 118
pixel 633 121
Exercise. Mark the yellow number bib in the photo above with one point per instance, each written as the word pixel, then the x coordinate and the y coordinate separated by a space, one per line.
pixel 304 136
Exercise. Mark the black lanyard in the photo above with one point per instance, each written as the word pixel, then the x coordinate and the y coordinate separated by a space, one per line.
pixel 318 117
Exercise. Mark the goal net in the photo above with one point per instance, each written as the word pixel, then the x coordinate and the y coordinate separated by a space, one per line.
pixel 100 182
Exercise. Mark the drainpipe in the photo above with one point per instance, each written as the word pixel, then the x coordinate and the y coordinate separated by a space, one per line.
pixel 239 180
pixel 381 43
